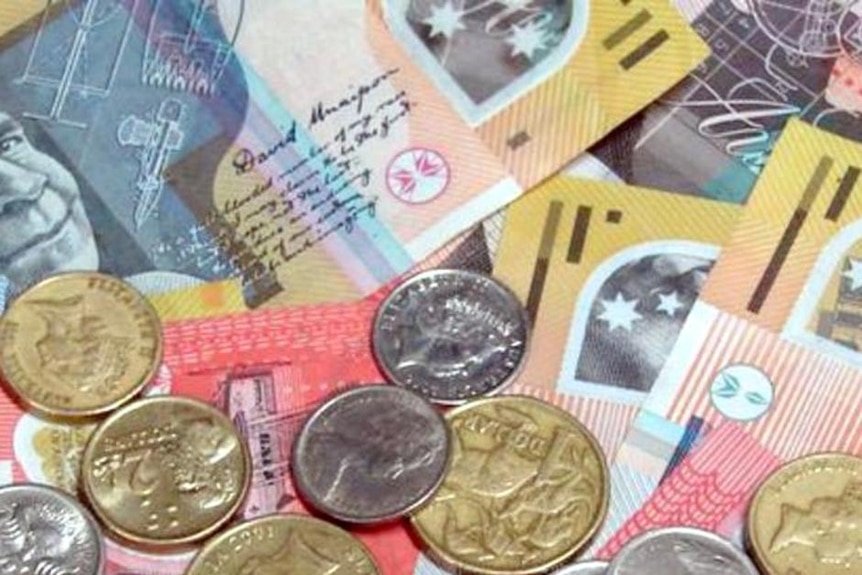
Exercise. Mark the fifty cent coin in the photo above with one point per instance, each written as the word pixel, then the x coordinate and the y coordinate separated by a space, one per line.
pixel 681 551
pixel 451 335
pixel 45 532
pixel 284 544
pixel 526 489
pixel 584 568
pixel 166 471
pixel 806 518
pixel 371 454
pixel 79 344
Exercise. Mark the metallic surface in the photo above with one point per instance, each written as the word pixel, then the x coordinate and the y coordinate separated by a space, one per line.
pixel 284 545
pixel 43 531
pixel 166 471
pixel 451 335
pixel 681 551
pixel 527 488
pixel 79 344
pixel 807 517
pixel 371 454
pixel 584 568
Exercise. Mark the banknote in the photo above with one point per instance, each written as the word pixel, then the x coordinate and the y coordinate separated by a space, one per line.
pixel 543 80
pixel 295 150
pixel 608 274
pixel 793 263
pixel 724 369
pixel 711 489
pixel 771 60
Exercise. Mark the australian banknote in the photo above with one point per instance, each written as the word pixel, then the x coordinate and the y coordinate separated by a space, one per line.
pixel 771 60
pixel 770 345
pixel 296 149
pixel 542 80
pixel 608 274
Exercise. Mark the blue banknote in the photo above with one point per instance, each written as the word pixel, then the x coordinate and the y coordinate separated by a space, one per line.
pixel 114 115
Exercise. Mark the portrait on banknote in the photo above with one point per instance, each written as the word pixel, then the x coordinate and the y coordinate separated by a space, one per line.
pixel 114 122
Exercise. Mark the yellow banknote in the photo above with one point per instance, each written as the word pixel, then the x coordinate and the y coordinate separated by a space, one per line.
pixel 541 81
pixel 794 263
pixel 608 273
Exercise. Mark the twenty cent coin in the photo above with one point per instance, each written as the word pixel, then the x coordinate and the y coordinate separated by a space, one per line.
pixel 166 471
pixel 45 532
pixel 526 489
pixel 584 568
pixel 451 335
pixel 284 545
pixel 371 454
pixel 806 518
pixel 681 551
pixel 79 344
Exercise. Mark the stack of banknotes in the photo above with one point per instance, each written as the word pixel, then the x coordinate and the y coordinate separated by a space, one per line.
pixel 417 287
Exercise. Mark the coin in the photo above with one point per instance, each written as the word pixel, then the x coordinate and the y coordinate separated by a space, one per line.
pixel 806 518
pixel 166 471
pixel 371 454
pixel 451 335
pixel 283 544
pixel 43 531
pixel 681 551
pixel 79 344
pixel 526 489
pixel 584 568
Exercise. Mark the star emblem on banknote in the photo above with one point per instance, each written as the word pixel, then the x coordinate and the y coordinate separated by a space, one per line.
pixel 527 39
pixel 445 20
pixel 620 313
pixel 669 303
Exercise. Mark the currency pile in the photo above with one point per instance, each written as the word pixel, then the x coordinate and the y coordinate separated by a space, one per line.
pixel 419 287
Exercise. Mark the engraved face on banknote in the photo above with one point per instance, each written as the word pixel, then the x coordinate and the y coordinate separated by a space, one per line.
pixel 114 120
pixel 486 53
pixel 44 228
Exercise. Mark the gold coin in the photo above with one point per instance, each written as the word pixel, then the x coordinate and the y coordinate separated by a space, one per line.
pixel 166 471
pixel 79 344
pixel 527 488
pixel 284 545
pixel 806 518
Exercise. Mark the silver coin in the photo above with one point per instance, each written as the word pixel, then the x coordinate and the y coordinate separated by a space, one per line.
pixel 451 335
pixel 681 551
pixel 44 531
pixel 371 454
pixel 584 568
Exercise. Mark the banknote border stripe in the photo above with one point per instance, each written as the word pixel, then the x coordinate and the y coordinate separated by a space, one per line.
pixel 579 234
pixel 845 188
pixel 622 33
pixel 546 246
pixel 644 50
pixel 791 233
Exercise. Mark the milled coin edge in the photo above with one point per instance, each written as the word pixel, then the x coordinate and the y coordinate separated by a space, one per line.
pixel 88 413
pixel 752 540
pixel 214 543
pixel 453 563
pixel 72 503
pixel 392 378
pixel 143 541
pixel 305 490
